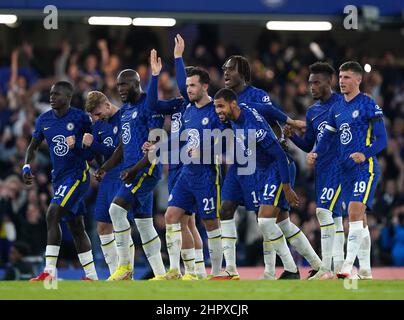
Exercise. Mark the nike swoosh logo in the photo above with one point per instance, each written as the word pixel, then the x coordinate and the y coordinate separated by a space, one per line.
pixel 46 128
pixel 187 121
pixel 337 115
pixel 99 132
pixel 323 201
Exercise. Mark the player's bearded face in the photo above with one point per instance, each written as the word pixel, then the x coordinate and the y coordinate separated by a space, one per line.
pixel 223 109
pixel 195 89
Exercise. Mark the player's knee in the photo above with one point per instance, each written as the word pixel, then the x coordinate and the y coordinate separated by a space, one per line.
pixel 53 216
pixel 227 210
pixel 76 226
pixel 104 228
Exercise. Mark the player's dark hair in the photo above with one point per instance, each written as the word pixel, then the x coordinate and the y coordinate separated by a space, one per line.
pixel 188 70
pixel 322 68
pixel 228 95
pixel 351 66
pixel 202 73
pixel 243 66
pixel 66 85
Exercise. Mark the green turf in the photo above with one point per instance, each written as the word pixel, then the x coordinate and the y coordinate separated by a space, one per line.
pixel 205 290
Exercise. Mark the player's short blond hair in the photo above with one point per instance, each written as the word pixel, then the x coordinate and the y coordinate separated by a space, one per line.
pixel 94 99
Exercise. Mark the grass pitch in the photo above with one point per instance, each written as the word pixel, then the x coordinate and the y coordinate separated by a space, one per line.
pixel 206 290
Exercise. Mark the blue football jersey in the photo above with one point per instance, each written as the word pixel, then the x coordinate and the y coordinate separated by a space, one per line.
pixel 175 109
pixel 316 120
pixel 54 130
pixel 136 120
pixel 108 133
pixel 250 119
pixel 194 121
pixel 353 123
pixel 253 94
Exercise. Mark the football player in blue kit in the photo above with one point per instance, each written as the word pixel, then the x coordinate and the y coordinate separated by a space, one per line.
pixel 102 142
pixel 239 190
pixel 192 245
pixel 63 128
pixel 136 191
pixel 198 185
pixel 327 174
pixel 273 174
pixel 358 124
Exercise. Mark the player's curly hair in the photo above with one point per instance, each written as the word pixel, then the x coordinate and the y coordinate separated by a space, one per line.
pixel 323 68
pixel 94 99
pixel 243 66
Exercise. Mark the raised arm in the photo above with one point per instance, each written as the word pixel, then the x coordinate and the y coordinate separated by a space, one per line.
pixel 180 72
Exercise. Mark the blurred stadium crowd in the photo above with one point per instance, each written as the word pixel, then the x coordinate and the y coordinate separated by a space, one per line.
pixel 279 67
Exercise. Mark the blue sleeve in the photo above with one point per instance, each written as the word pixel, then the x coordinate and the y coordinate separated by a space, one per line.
pixel 168 106
pixel 329 131
pixel 307 142
pixel 101 148
pixel 155 120
pixel 276 151
pixel 379 132
pixel 38 134
pixel 269 112
pixel 324 142
pixel 85 153
pixel 181 76
pixel 152 92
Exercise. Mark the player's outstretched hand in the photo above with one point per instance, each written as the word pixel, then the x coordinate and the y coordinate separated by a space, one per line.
pixel 88 139
pixel 128 175
pixel 299 125
pixel 288 131
pixel 311 158
pixel 70 141
pixel 155 63
pixel 99 174
pixel 179 46
pixel 290 195
pixel 358 157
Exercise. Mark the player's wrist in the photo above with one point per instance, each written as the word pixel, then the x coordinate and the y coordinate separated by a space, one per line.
pixel 26 169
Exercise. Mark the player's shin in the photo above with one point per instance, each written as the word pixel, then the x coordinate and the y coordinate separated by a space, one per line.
pixel 297 239
pixel 200 264
pixel 354 241
pixel 229 239
pixel 122 233
pixel 271 230
pixel 188 258
pixel 173 240
pixel 51 258
pixel 108 247
pixel 339 242
pixel 269 260
pixel 215 250
pixel 327 229
pixel 364 251
pixel 87 261
pixel 151 245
